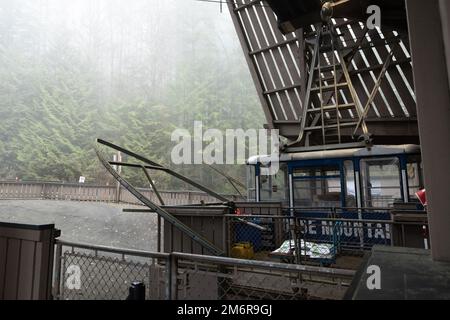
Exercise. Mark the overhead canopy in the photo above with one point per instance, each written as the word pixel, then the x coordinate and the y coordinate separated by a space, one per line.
pixel 279 62
pixel 295 14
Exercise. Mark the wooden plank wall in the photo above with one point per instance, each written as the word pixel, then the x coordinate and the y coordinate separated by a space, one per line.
pixel 26 261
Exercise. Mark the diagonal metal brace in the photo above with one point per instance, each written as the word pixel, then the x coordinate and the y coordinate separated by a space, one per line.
pixel 374 91
pixel 230 179
pixel 152 184
pixel 157 166
pixel 305 103
pixel 160 211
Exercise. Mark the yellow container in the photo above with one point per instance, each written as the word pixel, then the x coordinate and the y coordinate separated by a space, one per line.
pixel 242 250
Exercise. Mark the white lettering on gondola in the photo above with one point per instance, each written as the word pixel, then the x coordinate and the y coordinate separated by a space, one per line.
pixel 380 231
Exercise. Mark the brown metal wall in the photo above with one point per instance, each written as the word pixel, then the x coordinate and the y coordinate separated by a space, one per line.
pixel 211 223
pixel 26 261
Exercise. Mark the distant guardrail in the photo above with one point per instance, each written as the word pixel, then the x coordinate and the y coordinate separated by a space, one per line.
pixel 29 190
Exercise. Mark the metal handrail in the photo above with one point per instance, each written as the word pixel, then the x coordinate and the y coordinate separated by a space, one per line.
pixel 367 221
pixel 121 251
pixel 174 262
pixel 264 264
pixel 351 208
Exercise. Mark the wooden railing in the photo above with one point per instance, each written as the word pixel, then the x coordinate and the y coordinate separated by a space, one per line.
pixel 10 190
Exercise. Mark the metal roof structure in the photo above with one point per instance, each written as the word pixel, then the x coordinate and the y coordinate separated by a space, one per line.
pixel 279 52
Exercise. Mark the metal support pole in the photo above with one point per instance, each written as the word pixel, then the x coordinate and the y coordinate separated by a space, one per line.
pixel 159 242
pixel 173 273
pixel 57 285
pixel 119 171
pixel 168 280
pixel 431 79
pixel 161 201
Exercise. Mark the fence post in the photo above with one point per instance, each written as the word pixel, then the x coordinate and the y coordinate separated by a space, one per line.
pixel 57 285
pixel 172 277
pixel 118 192
pixel 159 231
pixel 168 275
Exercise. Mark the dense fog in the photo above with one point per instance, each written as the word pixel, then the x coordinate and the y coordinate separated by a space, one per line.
pixel 128 71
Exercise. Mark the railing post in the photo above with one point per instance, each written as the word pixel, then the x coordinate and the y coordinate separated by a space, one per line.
pixel 168 281
pixel 57 274
pixel 173 277
pixel 159 231
pixel 118 192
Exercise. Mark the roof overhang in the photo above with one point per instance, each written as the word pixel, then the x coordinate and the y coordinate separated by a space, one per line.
pixel 295 14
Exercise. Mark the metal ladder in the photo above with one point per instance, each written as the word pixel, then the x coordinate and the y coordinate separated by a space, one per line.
pixel 327 116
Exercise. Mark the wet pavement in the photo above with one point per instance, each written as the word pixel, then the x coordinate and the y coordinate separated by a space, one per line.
pixel 87 222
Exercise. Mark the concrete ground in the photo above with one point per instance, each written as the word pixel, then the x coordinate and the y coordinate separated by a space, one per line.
pixel 87 222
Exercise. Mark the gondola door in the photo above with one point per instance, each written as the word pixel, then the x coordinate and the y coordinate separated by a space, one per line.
pixel 317 187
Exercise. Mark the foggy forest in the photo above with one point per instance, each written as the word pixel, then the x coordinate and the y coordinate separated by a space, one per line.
pixel 129 72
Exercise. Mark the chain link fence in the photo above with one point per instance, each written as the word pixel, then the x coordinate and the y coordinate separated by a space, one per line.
pixel 271 257
pixel 84 272
pixel 204 277
pixel 314 240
